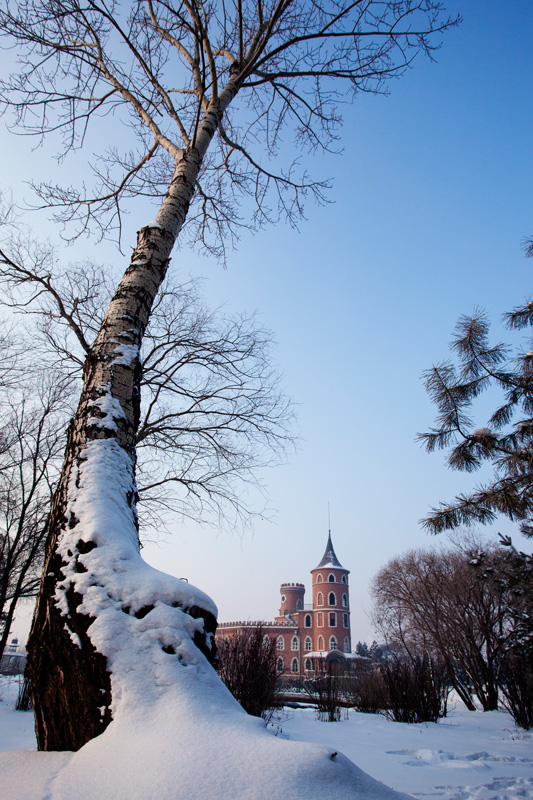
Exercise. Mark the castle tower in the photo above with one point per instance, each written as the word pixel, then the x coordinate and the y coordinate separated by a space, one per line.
pixel 331 603
pixel 292 598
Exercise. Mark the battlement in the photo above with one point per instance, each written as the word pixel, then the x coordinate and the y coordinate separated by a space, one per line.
pixel 256 623
pixel 292 586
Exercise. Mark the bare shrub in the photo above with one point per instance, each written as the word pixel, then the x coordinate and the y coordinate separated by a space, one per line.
pixel 517 688
pixel 24 696
pixel 416 690
pixel 369 692
pixel 248 667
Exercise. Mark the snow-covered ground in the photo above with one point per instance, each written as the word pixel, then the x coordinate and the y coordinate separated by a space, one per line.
pixel 467 756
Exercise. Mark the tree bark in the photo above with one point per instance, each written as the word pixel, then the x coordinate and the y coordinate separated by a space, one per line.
pixel 70 676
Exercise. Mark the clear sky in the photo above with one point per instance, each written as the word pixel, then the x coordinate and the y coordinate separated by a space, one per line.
pixel 431 199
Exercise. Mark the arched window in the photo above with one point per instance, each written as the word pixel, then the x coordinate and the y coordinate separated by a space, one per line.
pixel 294 665
pixel 332 643
pixel 308 664
pixel 308 620
pixel 332 599
pixel 346 645
pixel 319 578
pixel 294 643
pixel 299 605
pixel 320 599
pixel 345 600
pixel 266 641
pixel 345 621
pixel 344 578
pixel 281 644
pixel 320 642
pixel 331 577
pixel 308 643
pixel 280 665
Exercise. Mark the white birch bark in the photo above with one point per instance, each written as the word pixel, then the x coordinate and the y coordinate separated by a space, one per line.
pixel 96 589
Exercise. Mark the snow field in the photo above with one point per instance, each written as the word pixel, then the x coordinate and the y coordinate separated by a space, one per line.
pixel 225 754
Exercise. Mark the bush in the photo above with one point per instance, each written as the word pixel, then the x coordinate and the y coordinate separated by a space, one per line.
pixel 324 691
pixel 248 667
pixel 516 683
pixel 24 697
pixel 368 692
pixel 416 691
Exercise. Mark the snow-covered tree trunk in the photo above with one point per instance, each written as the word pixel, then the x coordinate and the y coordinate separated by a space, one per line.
pixel 97 596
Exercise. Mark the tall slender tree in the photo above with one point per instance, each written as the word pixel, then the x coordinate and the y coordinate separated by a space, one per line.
pixel 209 89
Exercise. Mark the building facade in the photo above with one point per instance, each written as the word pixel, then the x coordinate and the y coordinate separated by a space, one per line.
pixel 307 634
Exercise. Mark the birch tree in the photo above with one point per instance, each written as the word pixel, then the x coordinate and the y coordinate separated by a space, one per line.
pixel 210 90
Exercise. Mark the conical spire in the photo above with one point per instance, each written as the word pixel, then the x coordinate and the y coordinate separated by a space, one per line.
pixel 329 559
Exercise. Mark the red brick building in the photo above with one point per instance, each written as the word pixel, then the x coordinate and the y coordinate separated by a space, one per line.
pixel 307 632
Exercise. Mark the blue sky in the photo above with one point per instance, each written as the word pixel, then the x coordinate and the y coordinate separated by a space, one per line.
pixel 431 199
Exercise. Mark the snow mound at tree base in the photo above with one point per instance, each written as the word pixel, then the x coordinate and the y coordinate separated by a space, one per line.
pixel 195 743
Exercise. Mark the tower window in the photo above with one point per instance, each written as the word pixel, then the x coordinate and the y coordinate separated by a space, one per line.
pixel 332 620
pixel 299 605
pixel 320 619
pixel 319 578
pixel 344 578
pixel 320 642
pixel 346 645
pixel 294 665
pixel 332 599
pixel 332 643
pixel 320 599
pixel 331 578
pixel 308 620
pixel 294 643
pixel 345 621
pixel 308 643
pixel 280 665
pixel 345 600
pixel 283 598
pixel 281 644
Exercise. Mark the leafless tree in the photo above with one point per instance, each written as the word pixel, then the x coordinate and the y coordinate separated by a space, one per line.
pixel 212 410
pixel 209 89
pixel 32 443
pixel 437 602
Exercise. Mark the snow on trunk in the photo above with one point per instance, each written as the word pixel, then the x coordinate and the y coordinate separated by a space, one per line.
pixel 95 586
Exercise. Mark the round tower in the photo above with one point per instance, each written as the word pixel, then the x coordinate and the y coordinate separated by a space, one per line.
pixel 331 603
pixel 292 598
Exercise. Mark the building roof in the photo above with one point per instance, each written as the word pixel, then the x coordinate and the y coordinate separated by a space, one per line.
pixel 329 559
